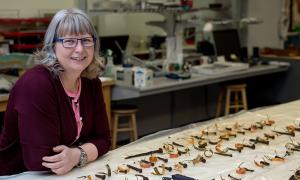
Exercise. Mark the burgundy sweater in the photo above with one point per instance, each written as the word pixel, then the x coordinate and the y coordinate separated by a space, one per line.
pixel 39 116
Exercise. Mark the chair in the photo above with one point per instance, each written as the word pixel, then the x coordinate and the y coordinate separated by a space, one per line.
pixel 236 99
pixel 128 111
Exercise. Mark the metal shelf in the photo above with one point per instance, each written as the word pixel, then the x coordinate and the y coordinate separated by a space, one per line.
pixel 26 33
pixel 146 10
pixel 10 21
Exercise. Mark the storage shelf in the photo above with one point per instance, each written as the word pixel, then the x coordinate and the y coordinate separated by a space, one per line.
pixel 22 34
pixel 26 33
pixel 26 46
pixel 24 20
pixel 146 10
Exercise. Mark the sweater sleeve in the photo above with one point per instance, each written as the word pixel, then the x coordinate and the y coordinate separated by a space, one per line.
pixel 101 134
pixel 38 120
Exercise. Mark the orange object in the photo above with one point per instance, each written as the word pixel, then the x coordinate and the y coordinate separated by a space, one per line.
pixel 277 159
pixel 191 140
pixel 174 155
pixel 153 159
pixel 253 128
pixel 258 164
pixel 290 128
pixel 239 146
pixel 89 177
pixel 178 167
pixel 269 122
pixel 123 169
pixel 145 165
pixel 240 170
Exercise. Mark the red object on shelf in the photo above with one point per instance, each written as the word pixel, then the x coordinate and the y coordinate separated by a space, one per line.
pixel 26 46
pixel 26 33
pixel 22 34
pixel 187 3
pixel 24 20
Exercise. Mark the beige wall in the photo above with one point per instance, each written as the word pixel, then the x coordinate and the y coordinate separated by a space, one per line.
pixel 266 33
pixel 32 8
pixel 262 35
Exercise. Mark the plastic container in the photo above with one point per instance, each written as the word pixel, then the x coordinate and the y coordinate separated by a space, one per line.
pixel 110 67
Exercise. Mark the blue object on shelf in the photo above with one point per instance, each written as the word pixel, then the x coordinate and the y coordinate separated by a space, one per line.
pixel 16 60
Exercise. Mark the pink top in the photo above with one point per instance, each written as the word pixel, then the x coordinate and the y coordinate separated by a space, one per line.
pixel 75 106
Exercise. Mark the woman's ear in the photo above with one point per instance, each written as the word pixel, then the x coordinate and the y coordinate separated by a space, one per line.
pixel 54 47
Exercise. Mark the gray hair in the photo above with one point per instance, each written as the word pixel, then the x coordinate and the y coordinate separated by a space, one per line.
pixel 69 21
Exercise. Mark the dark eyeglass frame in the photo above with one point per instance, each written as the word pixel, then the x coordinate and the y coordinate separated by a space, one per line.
pixel 63 39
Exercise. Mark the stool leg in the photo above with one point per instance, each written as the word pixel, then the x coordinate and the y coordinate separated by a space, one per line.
pixel 236 101
pixel 227 103
pixel 110 124
pixel 219 103
pixel 134 126
pixel 244 97
pixel 130 125
pixel 115 131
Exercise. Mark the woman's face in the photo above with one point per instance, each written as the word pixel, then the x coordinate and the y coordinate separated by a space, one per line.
pixel 74 52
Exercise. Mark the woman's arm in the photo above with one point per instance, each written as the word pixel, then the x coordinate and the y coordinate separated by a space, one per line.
pixel 67 157
pixel 95 143
pixel 101 133
pixel 91 151
pixel 38 119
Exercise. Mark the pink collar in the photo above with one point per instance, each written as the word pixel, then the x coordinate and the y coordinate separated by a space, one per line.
pixel 75 95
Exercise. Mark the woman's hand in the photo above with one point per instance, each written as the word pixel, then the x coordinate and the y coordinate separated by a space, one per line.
pixel 62 162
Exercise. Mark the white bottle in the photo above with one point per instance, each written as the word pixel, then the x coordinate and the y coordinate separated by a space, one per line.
pixel 110 67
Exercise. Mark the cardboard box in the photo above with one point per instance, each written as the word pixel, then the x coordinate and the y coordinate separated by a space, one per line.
pixel 124 76
pixel 143 77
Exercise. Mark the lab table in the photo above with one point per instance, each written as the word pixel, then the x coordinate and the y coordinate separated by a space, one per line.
pixel 163 84
pixel 107 83
pixel 217 166
pixel 3 101
pixel 173 103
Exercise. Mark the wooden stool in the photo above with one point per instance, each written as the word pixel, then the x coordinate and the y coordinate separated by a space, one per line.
pixel 239 99
pixel 124 111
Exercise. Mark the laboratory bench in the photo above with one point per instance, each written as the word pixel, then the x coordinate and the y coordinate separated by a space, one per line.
pixel 288 86
pixel 107 83
pixel 163 84
pixel 3 101
pixel 174 103
pixel 216 166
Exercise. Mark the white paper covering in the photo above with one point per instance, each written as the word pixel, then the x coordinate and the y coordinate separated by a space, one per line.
pixel 216 166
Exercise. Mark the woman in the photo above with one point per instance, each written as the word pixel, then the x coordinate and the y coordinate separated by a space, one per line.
pixel 55 118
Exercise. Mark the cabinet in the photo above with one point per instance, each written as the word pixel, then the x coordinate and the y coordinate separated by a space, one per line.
pixel 26 34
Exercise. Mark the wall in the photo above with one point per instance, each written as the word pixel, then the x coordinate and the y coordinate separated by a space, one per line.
pixel 135 23
pixel 262 35
pixel 128 23
pixel 33 8
pixel 266 33
pixel 112 24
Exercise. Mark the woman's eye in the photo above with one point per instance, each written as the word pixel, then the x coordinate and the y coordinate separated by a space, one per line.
pixel 87 40
pixel 70 41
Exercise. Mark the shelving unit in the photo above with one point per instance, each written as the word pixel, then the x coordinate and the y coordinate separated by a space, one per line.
pixel 176 19
pixel 26 33
pixel 171 24
pixel 145 10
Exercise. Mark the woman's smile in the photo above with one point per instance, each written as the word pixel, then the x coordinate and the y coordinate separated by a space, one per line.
pixel 78 58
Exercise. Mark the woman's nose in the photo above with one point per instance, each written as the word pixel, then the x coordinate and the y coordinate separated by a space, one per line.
pixel 79 46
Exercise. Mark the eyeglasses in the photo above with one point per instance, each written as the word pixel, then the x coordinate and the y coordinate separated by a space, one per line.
pixel 72 42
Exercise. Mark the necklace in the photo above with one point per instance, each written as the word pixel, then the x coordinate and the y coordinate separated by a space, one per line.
pixel 73 98
pixel 73 89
